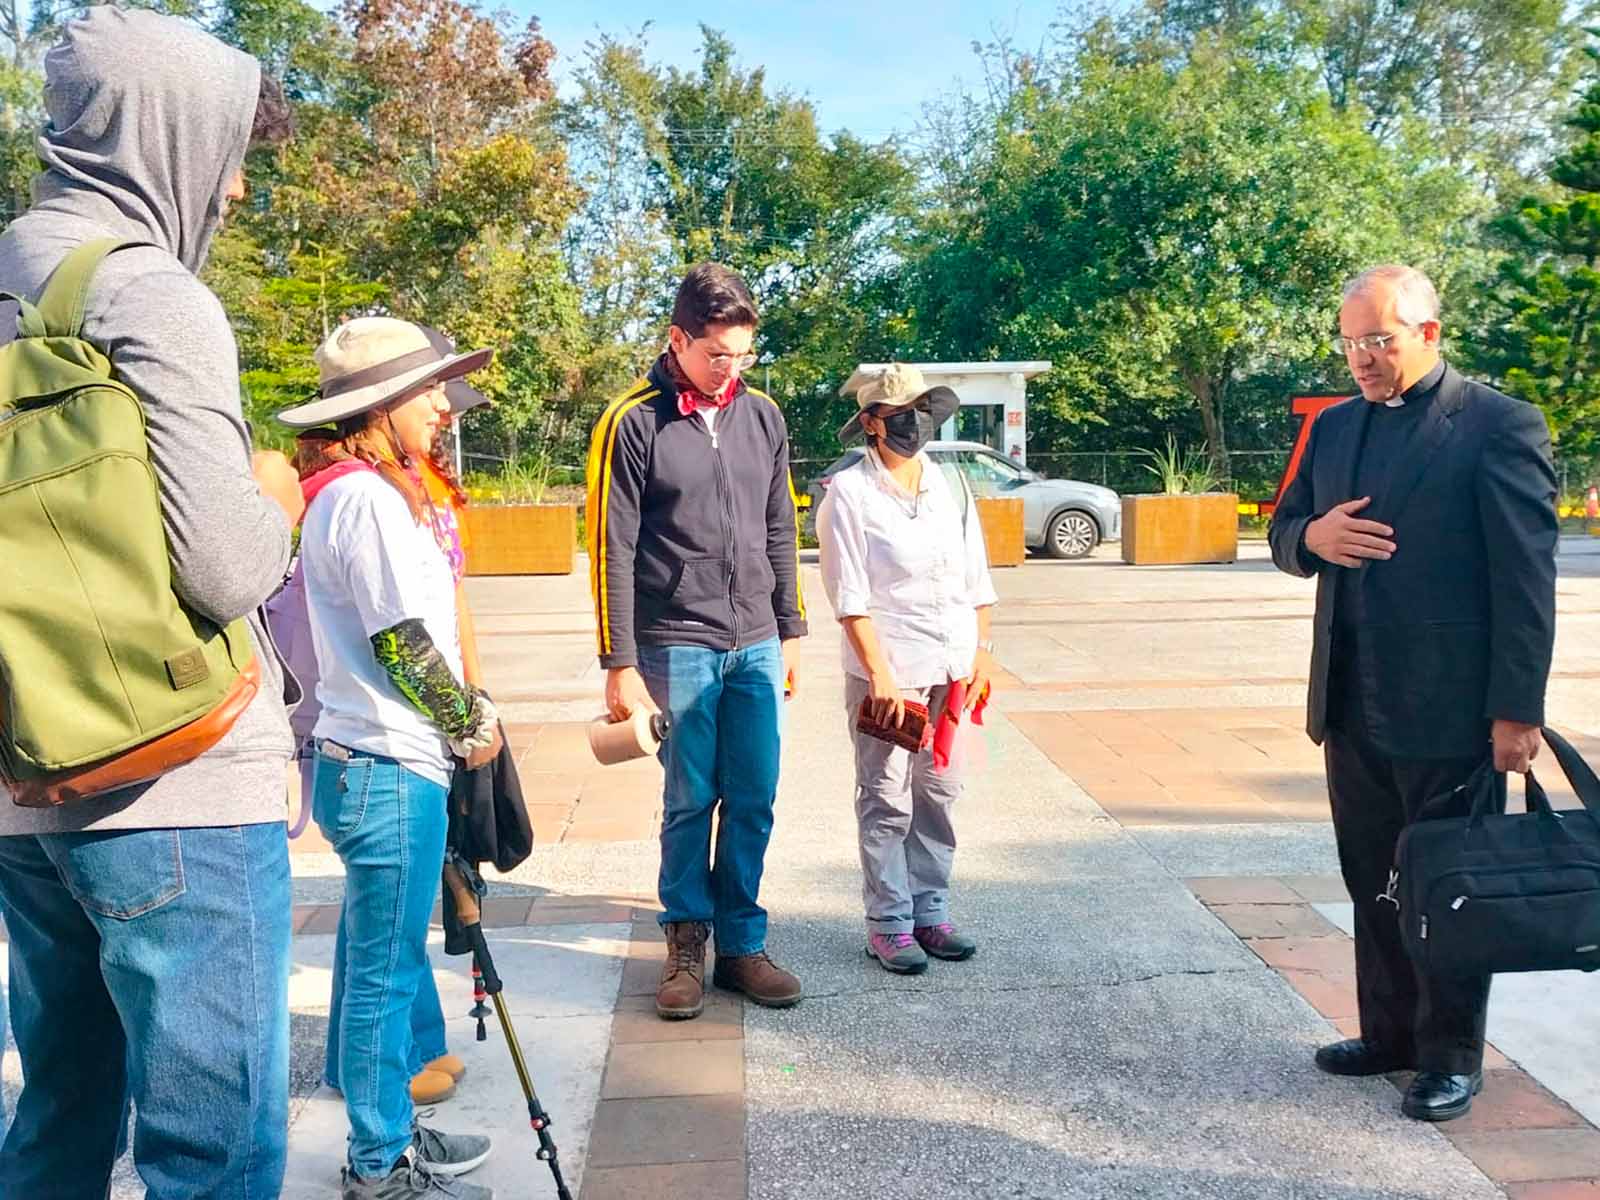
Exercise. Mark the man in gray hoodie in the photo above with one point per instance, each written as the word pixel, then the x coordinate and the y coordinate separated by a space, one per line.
pixel 149 930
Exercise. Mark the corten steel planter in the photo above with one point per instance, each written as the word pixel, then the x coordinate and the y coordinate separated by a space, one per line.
pixel 1002 530
pixel 1180 529
pixel 521 539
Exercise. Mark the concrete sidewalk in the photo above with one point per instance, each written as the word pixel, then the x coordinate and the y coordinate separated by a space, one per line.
pixel 1112 1039
pixel 561 986
pixel 1147 861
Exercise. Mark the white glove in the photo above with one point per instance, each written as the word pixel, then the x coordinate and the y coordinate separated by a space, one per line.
pixel 485 721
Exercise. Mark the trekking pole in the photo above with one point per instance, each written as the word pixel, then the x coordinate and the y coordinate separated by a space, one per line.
pixel 486 977
pixel 479 994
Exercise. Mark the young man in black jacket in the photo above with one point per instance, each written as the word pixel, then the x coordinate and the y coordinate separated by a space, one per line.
pixel 693 564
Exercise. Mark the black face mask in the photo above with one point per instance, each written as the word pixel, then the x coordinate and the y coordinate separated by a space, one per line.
pixel 909 431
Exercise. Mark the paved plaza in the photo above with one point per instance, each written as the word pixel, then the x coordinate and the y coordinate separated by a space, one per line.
pixel 1147 861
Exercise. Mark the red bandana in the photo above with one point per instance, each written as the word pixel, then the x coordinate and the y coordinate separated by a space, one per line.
pixel 690 399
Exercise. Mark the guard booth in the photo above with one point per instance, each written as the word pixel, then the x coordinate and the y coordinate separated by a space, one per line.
pixel 994 401
pixel 994 411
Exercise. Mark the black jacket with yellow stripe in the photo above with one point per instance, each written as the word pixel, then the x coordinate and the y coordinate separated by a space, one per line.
pixel 691 533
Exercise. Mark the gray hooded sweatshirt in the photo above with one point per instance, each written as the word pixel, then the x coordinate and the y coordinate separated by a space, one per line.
pixel 149 120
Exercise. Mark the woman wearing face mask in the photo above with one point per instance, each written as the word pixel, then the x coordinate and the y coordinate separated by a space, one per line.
pixel 905 567
pixel 395 712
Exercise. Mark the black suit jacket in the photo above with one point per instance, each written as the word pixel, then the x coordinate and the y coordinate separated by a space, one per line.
pixel 1458 626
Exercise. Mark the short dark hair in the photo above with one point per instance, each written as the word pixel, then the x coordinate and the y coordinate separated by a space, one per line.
pixel 273 124
pixel 711 294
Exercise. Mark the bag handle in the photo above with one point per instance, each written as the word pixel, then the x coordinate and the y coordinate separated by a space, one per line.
pixel 1481 786
pixel 1579 773
pixel 1538 799
pixel 59 312
pixel 1489 799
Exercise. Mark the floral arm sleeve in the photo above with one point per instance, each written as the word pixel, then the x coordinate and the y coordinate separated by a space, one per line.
pixel 408 654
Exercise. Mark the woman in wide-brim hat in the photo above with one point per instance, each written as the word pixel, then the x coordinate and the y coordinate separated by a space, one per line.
pixel 904 566
pixel 395 713
pixel 435 1071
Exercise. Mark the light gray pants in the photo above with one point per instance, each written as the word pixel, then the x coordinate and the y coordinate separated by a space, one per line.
pixel 903 816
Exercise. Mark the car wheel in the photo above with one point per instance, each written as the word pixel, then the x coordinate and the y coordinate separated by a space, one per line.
pixel 1072 534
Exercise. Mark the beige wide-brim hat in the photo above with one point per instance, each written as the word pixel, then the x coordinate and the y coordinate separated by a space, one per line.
pixel 367 362
pixel 893 386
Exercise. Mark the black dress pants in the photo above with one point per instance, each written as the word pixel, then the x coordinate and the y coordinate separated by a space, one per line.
pixel 1436 1022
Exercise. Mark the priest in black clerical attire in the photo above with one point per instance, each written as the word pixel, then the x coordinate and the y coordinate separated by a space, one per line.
pixel 1425 508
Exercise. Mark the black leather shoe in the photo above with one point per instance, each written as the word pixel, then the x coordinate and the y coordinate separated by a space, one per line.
pixel 1435 1096
pixel 1356 1057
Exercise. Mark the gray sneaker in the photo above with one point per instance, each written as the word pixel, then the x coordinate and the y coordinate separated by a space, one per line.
pixel 411 1179
pixel 448 1153
pixel 945 941
pixel 897 952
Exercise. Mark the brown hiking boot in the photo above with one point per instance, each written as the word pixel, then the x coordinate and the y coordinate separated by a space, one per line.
pixel 759 978
pixel 681 992
pixel 431 1087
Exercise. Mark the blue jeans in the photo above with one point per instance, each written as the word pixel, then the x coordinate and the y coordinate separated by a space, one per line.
pixel 722 754
pixel 151 964
pixel 427 1014
pixel 387 824
pixel 427 1020
pixel 5 1041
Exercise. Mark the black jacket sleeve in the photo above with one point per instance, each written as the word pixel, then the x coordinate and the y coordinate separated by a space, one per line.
pixel 783 544
pixel 1516 506
pixel 616 479
pixel 1287 534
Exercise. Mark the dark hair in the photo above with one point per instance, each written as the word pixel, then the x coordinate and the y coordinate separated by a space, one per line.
pixel 440 459
pixel 274 120
pixel 711 294
pixel 364 437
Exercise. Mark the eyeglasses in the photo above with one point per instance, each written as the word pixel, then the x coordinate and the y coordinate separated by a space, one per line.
pixel 1371 343
pixel 719 362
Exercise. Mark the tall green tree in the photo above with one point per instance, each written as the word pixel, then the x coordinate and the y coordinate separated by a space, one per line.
pixel 744 176
pixel 618 248
pixel 1483 76
pixel 426 182
pixel 705 160
pixel 1162 227
pixel 1539 333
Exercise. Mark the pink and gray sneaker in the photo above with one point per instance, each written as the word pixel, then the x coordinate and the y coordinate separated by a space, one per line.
pixel 945 941
pixel 897 952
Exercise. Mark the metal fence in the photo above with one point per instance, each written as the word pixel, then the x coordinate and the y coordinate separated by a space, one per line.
pixel 1254 473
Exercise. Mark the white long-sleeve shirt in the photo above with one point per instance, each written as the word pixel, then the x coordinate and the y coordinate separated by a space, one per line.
pixel 910 563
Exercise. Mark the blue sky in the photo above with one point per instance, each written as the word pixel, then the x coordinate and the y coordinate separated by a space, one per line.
pixel 867 65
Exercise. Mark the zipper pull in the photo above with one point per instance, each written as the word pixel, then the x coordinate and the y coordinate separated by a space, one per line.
pixel 713 439
pixel 1424 928
pixel 1391 893
pixel 1459 901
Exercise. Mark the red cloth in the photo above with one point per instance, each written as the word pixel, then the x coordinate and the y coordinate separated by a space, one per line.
pixel 944 736
pixel 312 484
pixel 690 398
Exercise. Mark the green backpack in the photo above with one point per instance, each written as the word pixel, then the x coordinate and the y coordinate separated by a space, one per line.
pixel 106 678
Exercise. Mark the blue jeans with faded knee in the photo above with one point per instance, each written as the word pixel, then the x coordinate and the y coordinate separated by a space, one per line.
pixel 387 824
pixel 427 1020
pixel 151 964
pixel 721 756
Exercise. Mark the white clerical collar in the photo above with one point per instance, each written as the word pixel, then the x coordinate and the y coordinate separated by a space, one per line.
pixel 1394 402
